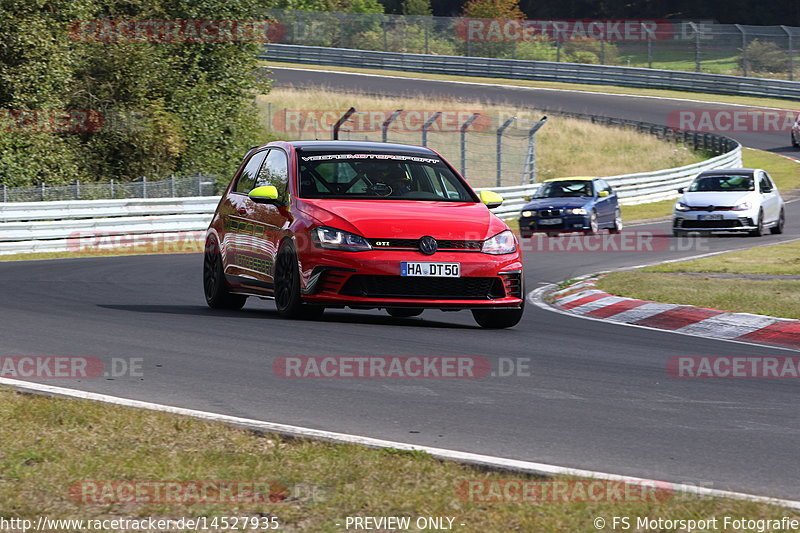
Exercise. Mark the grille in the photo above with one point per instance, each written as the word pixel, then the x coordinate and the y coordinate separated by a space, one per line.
pixel 729 223
pixel 550 213
pixel 467 288
pixel 712 208
pixel 413 244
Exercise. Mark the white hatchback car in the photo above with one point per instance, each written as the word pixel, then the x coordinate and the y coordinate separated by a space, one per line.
pixel 738 200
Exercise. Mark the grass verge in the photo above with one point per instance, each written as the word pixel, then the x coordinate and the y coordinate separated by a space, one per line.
pixel 562 149
pixel 611 89
pixel 176 247
pixel 694 282
pixel 51 445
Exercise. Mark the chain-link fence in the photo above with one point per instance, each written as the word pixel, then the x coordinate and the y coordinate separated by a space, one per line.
pixel 760 51
pixel 199 185
pixel 490 151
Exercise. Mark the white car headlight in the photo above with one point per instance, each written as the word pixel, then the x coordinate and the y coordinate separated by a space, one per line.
pixel 680 206
pixel 336 239
pixel 502 243
pixel 528 214
pixel 576 211
pixel 744 206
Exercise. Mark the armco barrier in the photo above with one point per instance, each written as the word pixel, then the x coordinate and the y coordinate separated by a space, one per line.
pixel 52 226
pixel 535 70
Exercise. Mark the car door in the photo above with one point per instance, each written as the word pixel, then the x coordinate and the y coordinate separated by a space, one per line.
pixel 269 222
pixel 603 206
pixel 770 201
pixel 234 212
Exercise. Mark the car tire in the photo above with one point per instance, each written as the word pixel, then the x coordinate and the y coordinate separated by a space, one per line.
pixel 759 231
pixel 795 141
pixel 498 318
pixel 216 291
pixel 398 312
pixel 778 227
pixel 287 287
pixel 617 227
pixel 594 226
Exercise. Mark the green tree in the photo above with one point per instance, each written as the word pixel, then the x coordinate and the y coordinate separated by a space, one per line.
pixel 416 7
pixel 493 9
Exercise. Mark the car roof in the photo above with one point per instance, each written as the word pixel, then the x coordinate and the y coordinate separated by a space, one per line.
pixel 360 146
pixel 729 172
pixel 575 178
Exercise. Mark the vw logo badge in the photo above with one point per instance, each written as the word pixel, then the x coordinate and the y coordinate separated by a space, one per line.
pixel 428 245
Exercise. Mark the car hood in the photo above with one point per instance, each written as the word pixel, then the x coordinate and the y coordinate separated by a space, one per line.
pixel 557 203
pixel 399 219
pixel 729 198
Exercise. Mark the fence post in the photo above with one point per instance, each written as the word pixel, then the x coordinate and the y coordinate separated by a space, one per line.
pixel 427 22
pixel 649 46
pixel 387 123
pixel 745 60
pixel 341 121
pixel 696 46
pixel 77 185
pixel 428 124
pixel 41 190
pixel 172 184
pixel 602 50
pixel 199 184
pixel 558 50
pixel 5 193
pixel 144 186
pixel 464 127
pixel 791 53
pixel 113 191
pixel 500 131
pixel 530 158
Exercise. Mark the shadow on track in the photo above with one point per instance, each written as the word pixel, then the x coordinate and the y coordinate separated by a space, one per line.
pixel 330 316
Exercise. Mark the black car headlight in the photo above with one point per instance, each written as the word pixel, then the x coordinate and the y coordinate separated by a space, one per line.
pixel 336 239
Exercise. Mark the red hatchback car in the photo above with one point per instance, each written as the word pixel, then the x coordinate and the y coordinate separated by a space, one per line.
pixel 316 224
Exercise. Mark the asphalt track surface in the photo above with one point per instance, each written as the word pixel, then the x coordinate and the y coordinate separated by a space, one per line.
pixel 599 397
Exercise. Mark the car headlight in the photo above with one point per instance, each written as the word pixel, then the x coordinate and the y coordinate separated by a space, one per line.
pixel 744 206
pixel 528 214
pixel 336 239
pixel 680 206
pixel 576 211
pixel 502 243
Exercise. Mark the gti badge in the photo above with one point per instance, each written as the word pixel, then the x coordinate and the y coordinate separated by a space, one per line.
pixel 428 245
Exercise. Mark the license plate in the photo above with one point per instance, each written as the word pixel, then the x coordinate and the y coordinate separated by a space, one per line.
pixel 550 221
pixel 432 270
pixel 709 217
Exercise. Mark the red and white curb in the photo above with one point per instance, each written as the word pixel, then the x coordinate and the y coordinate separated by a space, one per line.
pixel 584 299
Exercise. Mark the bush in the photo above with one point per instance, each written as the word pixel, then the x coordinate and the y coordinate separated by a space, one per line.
pixel 763 56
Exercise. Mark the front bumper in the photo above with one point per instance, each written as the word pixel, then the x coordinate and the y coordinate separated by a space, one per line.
pixel 529 225
pixel 725 221
pixel 372 279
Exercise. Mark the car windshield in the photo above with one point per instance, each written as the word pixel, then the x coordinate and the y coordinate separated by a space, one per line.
pixel 565 189
pixel 371 176
pixel 723 183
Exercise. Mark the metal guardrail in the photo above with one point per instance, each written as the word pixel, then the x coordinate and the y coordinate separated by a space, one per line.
pixel 62 226
pixel 535 70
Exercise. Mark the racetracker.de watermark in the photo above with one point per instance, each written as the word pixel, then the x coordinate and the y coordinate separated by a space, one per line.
pixel 176 31
pixel 510 30
pixel 51 121
pixel 636 241
pixel 81 242
pixel 765 367
pixel 732 121
pixel 69 367
pixel 562 491
pixel 400 367
pixel 180 492
pixel 297 121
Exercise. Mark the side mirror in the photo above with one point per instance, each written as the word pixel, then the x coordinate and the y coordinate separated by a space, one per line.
pixel 603 194
pixel 491 199
pixel 268 194
pixel 680 191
